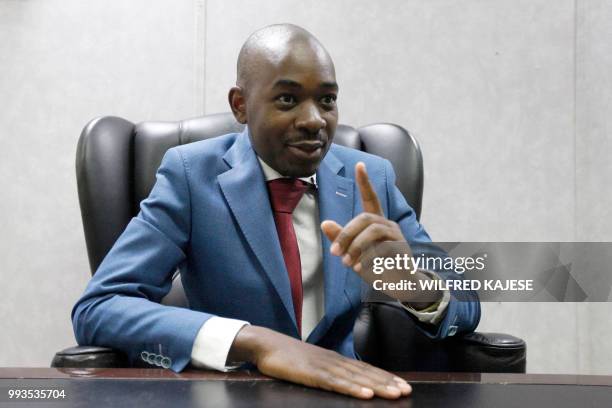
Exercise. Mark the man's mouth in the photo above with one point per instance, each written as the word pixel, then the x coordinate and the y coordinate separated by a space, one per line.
pixel 308 146
pixel 306 149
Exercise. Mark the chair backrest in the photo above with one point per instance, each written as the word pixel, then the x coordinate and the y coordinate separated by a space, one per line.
pixel 117 160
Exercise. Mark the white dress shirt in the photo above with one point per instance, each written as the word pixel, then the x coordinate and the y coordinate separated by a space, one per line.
pixel 215 338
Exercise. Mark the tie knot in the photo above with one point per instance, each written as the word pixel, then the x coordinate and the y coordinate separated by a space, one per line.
pixel 286 193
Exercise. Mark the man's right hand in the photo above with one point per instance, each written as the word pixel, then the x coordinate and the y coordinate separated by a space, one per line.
pixel 286 358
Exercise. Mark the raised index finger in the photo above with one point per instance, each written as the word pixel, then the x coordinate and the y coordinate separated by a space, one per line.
pixel 369 199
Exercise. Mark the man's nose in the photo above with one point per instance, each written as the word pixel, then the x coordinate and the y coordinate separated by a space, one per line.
pixel 310 119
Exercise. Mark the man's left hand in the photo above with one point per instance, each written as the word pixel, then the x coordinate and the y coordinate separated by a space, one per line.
pixel 365 230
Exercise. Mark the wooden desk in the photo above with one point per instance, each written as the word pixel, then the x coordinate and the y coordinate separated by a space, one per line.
pixel 152 388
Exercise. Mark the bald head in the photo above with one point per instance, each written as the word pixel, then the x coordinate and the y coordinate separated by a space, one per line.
pixel 270 46
pixel 286 93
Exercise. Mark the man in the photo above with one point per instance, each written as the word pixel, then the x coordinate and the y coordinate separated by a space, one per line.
pixel 240 215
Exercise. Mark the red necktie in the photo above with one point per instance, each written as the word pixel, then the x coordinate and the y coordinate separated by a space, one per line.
pixel 285 194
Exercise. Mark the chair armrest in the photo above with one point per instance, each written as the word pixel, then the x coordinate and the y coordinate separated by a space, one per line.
pixel 387 336
pixel 488 352
pixel 89 357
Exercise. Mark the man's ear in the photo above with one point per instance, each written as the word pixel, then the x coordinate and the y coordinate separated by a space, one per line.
pixel 237 102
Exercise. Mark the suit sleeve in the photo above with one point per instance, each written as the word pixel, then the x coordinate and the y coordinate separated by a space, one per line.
pixel 120 306
pixel 463 309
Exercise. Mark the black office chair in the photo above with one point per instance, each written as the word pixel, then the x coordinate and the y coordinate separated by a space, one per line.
pixel 116 165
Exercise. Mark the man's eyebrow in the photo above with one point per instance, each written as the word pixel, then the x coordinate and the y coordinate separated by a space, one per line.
pixel 287 83
pixel 294 84
pixel 332 84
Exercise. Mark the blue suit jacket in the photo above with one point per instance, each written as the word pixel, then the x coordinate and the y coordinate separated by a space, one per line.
pixel 209 213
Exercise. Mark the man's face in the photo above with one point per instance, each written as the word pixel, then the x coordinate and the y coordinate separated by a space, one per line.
pixel 291 112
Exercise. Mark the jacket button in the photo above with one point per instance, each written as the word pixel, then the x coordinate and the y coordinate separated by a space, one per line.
pixel 166 362
pixel 151 358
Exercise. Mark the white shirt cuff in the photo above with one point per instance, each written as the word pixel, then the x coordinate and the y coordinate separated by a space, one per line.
pixel 434 316
pixel 213 343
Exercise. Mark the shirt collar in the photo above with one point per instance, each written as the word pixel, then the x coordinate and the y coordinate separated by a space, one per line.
pixel 271 174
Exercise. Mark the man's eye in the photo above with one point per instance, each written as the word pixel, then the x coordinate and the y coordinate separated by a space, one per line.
pixel 286 99
pixel 328 100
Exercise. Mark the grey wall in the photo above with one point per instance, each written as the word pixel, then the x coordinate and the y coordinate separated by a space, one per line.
pixel 510 100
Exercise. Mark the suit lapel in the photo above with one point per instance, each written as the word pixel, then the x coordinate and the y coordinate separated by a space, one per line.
pixel 244 188
pixel 335 203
